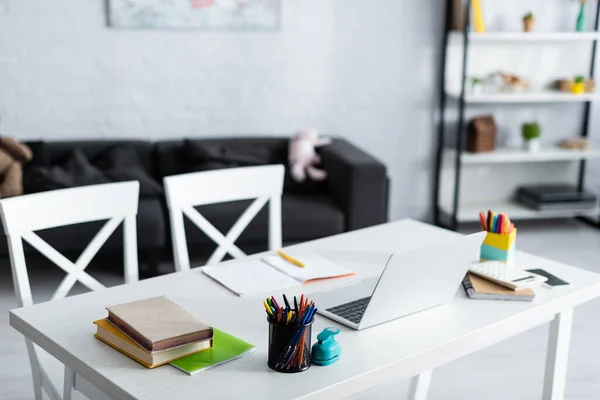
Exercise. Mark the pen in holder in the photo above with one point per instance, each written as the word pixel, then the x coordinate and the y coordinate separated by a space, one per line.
pixel 290 330
pixel 499 242
pixel 289 347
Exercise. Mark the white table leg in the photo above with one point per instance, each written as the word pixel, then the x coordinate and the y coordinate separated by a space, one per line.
pixel 557 356
pixel 419 386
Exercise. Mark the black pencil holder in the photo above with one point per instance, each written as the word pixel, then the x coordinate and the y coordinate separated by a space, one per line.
pixel 289 347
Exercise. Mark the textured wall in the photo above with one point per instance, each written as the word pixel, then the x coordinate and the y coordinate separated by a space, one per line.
pixel 359 69
pixel 365 70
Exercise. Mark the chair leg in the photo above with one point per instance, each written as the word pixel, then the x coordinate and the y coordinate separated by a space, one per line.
pixel 68 385
pixel 36 371
pixel 37 385
pixel 49 387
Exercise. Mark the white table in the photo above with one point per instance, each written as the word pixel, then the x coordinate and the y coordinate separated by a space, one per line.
pixel 409 347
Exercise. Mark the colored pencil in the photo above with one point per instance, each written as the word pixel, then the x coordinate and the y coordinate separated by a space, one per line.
pixel 482 219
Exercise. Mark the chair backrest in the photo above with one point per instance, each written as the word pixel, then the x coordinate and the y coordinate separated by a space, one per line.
pixel 184 192
pixel 23 215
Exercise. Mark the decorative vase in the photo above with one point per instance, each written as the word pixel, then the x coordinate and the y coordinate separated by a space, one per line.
pixel 580 26
pixel 478 20
pixel 477 89
pixel 528 24
pixel 532 145
pixel 578 87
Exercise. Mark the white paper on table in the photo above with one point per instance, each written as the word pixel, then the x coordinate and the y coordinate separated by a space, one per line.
pixel 251 277
pixel 316 267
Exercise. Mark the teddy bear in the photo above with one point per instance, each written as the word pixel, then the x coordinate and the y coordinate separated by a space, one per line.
pixel 12 156
pixel 303 155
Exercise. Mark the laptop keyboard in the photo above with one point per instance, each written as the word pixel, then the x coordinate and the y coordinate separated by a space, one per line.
pixel 352 311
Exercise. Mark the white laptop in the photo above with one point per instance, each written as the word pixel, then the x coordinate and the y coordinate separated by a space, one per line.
pixel 411 281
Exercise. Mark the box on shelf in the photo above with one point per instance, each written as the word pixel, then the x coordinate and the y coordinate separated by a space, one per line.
pixel 481 134
pixel 499 247
pixel 565 85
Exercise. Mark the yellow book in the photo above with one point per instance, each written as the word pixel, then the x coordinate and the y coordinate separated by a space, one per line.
pixel 110 335
pixel 478 21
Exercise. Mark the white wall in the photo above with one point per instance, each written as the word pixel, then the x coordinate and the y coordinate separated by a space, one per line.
pixel 365 70
pixel 359 69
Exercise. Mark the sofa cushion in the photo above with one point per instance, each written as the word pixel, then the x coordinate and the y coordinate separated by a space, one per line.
pixel 181 156
pixel 89 166
pixel 232 153
pixel 308 217
pixel 304 218
pixel 75 171
pixel 73 239
pixel 178 157
pixel 121 163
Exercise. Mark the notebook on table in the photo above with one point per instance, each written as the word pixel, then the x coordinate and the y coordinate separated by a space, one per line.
pixel 479 288
pixel 226 348
pixel 274 273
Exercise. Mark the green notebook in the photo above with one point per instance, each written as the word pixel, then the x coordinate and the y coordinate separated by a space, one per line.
pixel 225 348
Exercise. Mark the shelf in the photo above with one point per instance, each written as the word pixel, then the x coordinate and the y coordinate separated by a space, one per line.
pixel 470 213
pixel 510 155
pixel 533 97
pixel 529 36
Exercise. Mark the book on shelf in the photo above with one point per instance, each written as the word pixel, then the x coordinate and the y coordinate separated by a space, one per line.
pixel 110 335
pixel 477 287
pixel 226 348
pixel 157 324
pixel 556 197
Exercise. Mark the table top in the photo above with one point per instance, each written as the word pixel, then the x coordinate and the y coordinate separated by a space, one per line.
pixel 398 349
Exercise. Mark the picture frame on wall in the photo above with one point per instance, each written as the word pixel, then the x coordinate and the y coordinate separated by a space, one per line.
pixel 261 15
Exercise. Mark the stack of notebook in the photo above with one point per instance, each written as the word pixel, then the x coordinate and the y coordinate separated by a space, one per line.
pixel 154 331
pixel 480 288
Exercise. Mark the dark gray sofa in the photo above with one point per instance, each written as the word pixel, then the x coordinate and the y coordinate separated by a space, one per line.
pixel 354 196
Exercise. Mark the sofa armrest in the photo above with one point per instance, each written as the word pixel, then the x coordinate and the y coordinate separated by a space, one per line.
pixel 358 184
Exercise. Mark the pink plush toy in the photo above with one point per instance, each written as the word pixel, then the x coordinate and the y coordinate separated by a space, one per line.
pixel 303 156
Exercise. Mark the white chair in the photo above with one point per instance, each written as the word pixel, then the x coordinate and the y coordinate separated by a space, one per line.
pixel 23 215
pixel 184 192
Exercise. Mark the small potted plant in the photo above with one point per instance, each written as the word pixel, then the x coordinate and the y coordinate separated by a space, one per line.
pixel 477 85
pixel 528 22
pixel 578 86
pixel 531 132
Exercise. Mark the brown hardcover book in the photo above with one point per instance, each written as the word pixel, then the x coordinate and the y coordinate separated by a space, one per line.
pixel 158 323
pixel 117 339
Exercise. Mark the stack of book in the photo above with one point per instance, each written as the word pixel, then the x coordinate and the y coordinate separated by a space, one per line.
pixel 477 287
pixel 556 197
pixel 154 331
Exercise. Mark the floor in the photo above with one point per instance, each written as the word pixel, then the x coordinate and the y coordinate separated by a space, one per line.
pixel 511 370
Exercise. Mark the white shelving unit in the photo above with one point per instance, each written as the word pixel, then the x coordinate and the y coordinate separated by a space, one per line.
pixel 527 36
pixel 470 212
pixel 510 155
pixel 527 97
pixel 467 183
